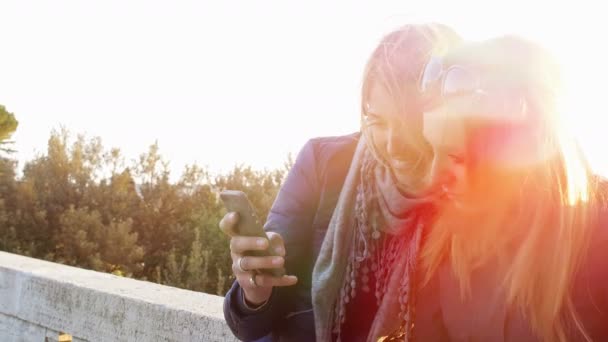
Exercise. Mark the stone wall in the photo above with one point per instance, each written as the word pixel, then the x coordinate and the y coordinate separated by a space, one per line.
pixel 40 299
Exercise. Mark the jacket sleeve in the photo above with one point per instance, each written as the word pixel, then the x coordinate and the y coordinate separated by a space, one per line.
pixel 291 216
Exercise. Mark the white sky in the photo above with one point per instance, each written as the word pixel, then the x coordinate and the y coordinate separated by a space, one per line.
pixel 225 82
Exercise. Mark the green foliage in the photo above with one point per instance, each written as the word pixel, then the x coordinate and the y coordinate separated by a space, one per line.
pixel 8 125
pixel 77 240
pixel 80 204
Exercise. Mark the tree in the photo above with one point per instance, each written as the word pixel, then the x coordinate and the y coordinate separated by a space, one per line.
pixel 9 240
pixel 80 205
pixel 119 248
pixel 8 125
pixel 8 235
pixel 77 241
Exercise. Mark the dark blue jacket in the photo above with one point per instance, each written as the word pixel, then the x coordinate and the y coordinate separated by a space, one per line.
pixel 301 214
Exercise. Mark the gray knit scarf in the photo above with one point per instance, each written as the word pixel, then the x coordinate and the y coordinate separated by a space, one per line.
pixel 369 208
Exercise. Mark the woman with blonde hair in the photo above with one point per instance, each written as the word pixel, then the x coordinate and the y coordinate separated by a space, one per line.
pixel 348 208
pixel 518 246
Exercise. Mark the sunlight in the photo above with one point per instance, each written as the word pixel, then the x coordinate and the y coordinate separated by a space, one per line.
pixel 582 106
pixel 576 175
pixel 576 47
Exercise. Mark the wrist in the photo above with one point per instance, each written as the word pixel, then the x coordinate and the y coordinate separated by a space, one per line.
pixel 253 305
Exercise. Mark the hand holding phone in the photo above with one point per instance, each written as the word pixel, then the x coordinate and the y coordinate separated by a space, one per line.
pixel 248 224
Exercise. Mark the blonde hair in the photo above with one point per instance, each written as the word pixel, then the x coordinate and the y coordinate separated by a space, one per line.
pixel 396 65
pixel 538 216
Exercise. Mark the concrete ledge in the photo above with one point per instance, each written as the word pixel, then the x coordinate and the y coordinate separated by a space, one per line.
pixel 93 306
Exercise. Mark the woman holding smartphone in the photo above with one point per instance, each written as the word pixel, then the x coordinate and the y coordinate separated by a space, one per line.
pixel 349 206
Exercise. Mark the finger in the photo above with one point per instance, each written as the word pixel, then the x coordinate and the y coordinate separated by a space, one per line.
pixel 229 222
pixel 267 280
pixel 236 270
pixel 244 279
pixel 242 244
pixel 235 256
pixel 264 281
pixel 249 263
pixel 277 246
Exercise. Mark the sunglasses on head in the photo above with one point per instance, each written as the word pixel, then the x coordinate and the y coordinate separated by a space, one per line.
pixel 497 101
pixel 454 80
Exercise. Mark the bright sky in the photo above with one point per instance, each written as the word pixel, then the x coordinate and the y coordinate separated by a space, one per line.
pixel 225 82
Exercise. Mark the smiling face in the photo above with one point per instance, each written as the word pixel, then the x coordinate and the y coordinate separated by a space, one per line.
pixel 396 134
pixel 390 100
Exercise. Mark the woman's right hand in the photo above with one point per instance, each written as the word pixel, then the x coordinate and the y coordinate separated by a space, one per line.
pixel 257 287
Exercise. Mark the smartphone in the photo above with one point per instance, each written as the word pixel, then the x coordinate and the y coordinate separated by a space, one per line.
pixel 249 224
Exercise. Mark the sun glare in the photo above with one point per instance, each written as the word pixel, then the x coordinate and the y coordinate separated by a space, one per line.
pixel 580 54
pixel 582 105
pixel 576 174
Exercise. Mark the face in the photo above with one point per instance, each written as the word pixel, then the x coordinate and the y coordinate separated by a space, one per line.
pixel 473 153
pixel 445 132
pixel 397 137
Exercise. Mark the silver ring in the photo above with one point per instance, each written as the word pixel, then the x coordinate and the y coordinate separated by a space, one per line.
pixel 252 280
pixel 239 266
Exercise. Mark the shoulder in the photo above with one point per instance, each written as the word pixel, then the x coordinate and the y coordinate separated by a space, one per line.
pixel 335 142
pixel 333 149
pixel 320 156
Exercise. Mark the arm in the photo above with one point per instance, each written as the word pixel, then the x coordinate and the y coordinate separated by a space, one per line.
pixel 291 216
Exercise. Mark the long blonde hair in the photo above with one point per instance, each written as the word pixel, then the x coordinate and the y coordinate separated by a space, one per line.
pixel 538 216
